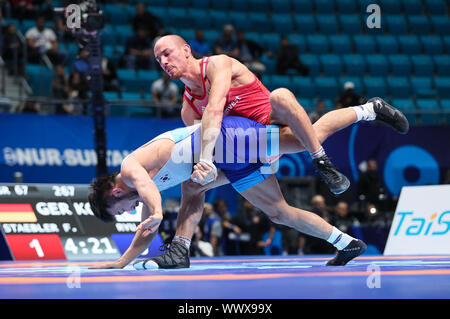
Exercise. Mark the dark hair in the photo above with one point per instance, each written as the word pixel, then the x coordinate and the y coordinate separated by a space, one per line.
pixel 99 198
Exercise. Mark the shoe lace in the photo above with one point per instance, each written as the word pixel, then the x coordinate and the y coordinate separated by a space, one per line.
pixel 326 169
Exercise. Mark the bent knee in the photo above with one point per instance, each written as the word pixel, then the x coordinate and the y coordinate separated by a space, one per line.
pixel 280 96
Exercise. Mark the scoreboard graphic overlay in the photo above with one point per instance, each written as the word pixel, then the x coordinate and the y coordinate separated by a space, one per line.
pixel 47 221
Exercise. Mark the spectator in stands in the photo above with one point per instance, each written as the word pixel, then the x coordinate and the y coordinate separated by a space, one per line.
pixel 77 89
pixel 221 208
pixel 165 95
pixel 250 53
pixel 226 43
pixel 12 49
pixel 81 64
pixel 252 221
pixel 212 229
pixel 23 9
pixel 349 97
pixel 147 21
pixel 59 90
pixel 287 59
pixel 200 248
pixel 313 245
pixel 138 51
pixel 45 9
pixel 42 41
pixel 370 184
pixel 63 34
pixel 29 106
pixel 343 219
pixel 110 77
pixel 199 46
pixel 318 111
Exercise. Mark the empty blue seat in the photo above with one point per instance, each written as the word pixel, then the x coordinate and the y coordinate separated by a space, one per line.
pixel 350 23
pixel 331 64
pixel 399 87
pixel 422 65
pixel 327 87
pixel 240 20
pixel 442 63
pixel 40 79
pixel 283 23
pixel 123 33
pixel 187 34
pixel 375 86
pixel 432 44
pixel 442 86
pixel 202 19
pixel 239 5
pixel 412 6
pixel 201 4
pixel 354 65
pixel 387 44
pixel 160 12
pixel 441 24
pixel 317 44
pixel 218 18
pixel 221 5
pixel 324 6
pixel 436 7
pixel 111 96
pixel 422 87
pixel 179 18
pixel 181 3
pixel 327 24
pixel 445 105
pixel 270 63
pixel 340 44
pixel 428 105
pixel 407 106
pixel 305 24
pixel 280 6
pixel 299 41
pixel 259 5
pixel 115 13
pixel 282 81
pixel 346 6
pixel 446 41
pixel 377 65
pixel 260 22
pixel 148 75
pixel 410 44
pixel 301 6
pixel 254 36
pixel 400 65
pixel 271 41
pixel 305 87
pixel 364 44
pixel 419 24
pixel 211 36
pixel 396 24
pixel 390 6
pixel 312 62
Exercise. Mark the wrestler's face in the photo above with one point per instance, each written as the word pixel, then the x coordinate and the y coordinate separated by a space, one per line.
pixel 171 57
pixel 123 201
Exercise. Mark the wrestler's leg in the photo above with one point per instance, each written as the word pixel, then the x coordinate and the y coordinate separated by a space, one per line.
pixel 327 125
pixel 267 196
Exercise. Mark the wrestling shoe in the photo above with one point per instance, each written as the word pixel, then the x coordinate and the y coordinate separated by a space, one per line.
pixel 336 181
pixel 176 256
pixel 353 250
pixel 390 115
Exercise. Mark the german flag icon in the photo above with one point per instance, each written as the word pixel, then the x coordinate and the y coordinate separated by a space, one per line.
pixel 17 213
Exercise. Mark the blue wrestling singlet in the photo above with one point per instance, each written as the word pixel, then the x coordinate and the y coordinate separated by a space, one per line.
pixel 243 150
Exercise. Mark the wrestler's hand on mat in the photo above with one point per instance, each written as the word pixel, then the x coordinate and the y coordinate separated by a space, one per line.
pixel 204 173
pixel 150 225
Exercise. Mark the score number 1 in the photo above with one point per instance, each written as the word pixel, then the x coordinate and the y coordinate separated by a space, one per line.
pixel 35 244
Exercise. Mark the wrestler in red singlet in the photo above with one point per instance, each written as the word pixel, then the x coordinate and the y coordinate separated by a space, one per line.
pixel 250 100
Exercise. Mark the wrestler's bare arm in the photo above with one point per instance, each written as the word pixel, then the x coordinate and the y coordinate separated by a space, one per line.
pixel 188 115
pixel 219 73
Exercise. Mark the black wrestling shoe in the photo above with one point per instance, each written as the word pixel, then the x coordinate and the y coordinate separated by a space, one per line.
pixel 176 256
pixel 390 115
pixel 353 250
pixel 336 181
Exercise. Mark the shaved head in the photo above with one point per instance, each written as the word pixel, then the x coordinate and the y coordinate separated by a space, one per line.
pixel 172 53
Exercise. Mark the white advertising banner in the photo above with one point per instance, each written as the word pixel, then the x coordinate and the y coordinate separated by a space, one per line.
pixel 421 224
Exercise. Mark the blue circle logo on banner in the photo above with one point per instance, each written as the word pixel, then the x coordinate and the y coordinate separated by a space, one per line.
pixel 409 166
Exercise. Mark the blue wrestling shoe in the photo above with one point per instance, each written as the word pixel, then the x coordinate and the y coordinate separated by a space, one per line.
pixel 390 115
pixel 176 256
pixel 336 181
pixel 353 250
